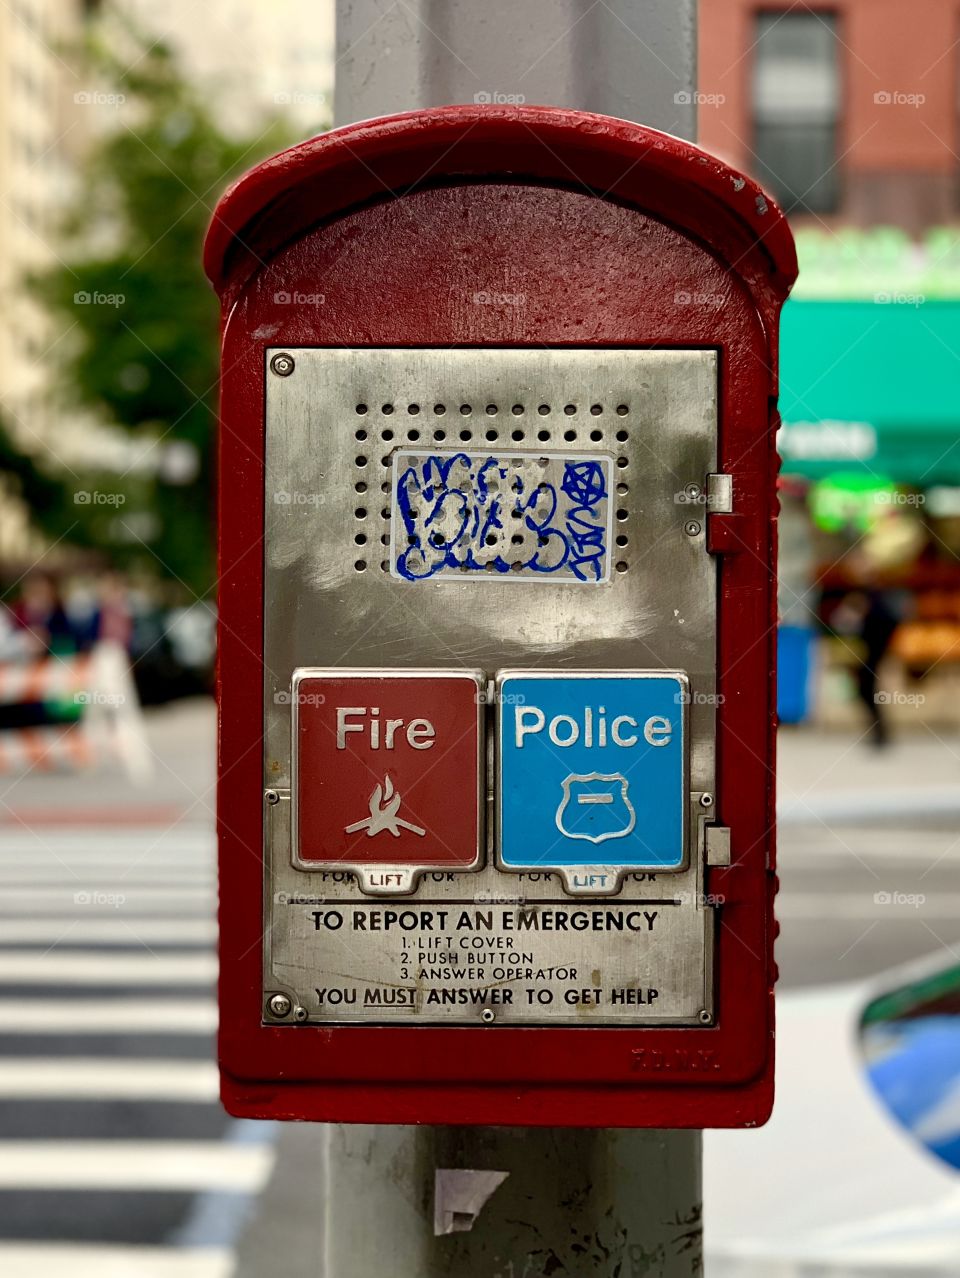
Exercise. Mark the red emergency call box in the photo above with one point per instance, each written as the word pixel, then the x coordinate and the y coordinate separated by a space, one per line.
pixel 498 625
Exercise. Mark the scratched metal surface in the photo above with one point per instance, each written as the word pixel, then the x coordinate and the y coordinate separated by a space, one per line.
pixel 331 600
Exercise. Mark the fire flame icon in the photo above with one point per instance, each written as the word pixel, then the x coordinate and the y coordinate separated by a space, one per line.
pixel 384 805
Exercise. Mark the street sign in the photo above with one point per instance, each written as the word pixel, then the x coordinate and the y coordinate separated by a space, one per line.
pixel 592 771
pixel 386 772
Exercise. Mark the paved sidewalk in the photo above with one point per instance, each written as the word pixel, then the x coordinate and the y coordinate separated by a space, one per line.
pixel 835 777
pixel 182 743
pixel 813 759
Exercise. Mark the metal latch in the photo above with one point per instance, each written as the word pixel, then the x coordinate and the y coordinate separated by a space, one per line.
pixel 717 844
pixel 719 494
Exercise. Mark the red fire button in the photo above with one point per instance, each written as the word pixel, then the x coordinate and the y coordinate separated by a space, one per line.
pixel 387 772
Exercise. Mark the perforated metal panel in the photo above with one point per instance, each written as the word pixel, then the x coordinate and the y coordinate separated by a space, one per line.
pixel 343 428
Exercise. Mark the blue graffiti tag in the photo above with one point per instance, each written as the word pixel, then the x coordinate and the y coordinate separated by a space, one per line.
pixel 487 514
pixel 584 484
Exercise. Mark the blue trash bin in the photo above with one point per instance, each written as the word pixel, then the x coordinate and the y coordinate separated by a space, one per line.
pixel 794 668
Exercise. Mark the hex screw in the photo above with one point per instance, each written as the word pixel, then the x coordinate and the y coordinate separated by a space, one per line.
pixel 706 800
pixel 692 528
pixel 705 1017
pixel 279 1005
pixel 271 797
pixel 488 1016
pixel 299 1013
pixel 282 364
pixel 693 491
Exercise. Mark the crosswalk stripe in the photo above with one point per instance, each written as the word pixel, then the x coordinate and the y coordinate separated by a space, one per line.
pixel 134 1165
pixel 52 854
pixel 40 877
pixel 890 907
pixel 80 967
pixel 901 805
pixel 158 860
pixel 96 1078
pixel 180 836
pixel 63 877
pixel 54 860
pixel 87 1260
pixel 104 929
pixel 142 1015
pixel 894 843
pixel 125 913
pixel 104 843
pixel 59 899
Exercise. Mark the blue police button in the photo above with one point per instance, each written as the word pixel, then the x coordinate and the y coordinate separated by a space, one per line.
pixel 592 769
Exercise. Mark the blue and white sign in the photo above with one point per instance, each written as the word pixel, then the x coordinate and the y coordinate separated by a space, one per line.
pixel 592 769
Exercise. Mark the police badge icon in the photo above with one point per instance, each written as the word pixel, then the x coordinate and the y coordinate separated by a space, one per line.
pixel 595 806
pixel 592 770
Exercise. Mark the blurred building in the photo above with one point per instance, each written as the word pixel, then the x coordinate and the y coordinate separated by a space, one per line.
pixel 849 113
pixel 254 57
pixel 43 119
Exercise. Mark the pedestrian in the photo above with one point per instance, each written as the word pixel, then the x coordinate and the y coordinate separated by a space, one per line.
pixel 41 618
pixel 42 628
pixel 878 625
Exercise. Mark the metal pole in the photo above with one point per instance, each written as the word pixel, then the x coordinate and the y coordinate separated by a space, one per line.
pixel 635 59
pixel 572 1202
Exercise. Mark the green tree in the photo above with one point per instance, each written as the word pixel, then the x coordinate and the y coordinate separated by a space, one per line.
pixel 142 343
pixel 46 494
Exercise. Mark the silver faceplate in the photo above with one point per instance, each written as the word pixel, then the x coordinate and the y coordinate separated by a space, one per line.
pixel 332 601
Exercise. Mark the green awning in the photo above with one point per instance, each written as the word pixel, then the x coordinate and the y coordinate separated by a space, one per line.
pixel 872 386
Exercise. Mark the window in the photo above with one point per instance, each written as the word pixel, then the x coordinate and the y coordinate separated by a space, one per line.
pixel 796 98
